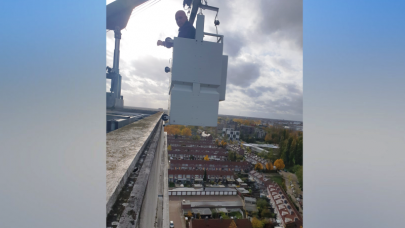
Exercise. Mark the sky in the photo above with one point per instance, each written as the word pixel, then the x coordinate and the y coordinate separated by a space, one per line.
pixel 263 40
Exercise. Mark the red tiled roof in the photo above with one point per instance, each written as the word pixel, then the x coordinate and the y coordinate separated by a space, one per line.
pixel 198 153
pixel 197 149
pixel 200 172
pixel 217 223
pixel 194 162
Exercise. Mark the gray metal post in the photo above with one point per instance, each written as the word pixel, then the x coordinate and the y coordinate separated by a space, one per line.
pixel 117 35
pixel 116 63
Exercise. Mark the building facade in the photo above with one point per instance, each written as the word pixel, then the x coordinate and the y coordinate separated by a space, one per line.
pixel 209 165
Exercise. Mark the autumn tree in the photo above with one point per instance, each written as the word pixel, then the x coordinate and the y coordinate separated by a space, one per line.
pixel 259 166
pixel 189 215
pixel 269 166
pixel 206 158
pixel 169 147
pixel 232 225
pixel 186 132
pixel 256 223
pixel 279 163
pixel 268 138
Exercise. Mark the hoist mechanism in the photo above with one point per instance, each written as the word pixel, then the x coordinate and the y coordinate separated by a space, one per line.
pixel 118 14
pixel 198 69
pixel 198 74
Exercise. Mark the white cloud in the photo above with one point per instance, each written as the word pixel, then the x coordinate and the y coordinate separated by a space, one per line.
pixel 262 38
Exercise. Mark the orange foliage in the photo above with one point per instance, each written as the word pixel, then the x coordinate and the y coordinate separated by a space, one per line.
pixel 279 163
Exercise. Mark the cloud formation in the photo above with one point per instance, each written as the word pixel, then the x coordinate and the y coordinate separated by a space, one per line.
pixel 263 40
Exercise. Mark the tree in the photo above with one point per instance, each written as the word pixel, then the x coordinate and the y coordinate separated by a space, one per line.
pixel 189 215
pixel 169 147
pixel 186 132
pixel 256 223
pixel 262 204
pixel 206 158
pixel 205 175
pixel 216 142
pixel 299 174
pixel 268 138
pixel 259 166
pixel 232 225
pixel 224 216
pixel 176 132
pixel 279 163
pixel 266 213
pixel 269 166
pixel 198 215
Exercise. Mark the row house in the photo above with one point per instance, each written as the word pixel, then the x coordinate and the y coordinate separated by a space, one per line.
pixel 283 208
pixel 197 149
pixel 183 155
pixel 198 175
pixel 188 138
pixel 190 141
pixel 192 144
pixel 209 165
pixel 254 159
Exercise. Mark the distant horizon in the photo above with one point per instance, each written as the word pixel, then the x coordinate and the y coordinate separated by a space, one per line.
pixel 267 118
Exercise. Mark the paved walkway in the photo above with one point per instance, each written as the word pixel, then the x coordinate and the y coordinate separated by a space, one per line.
pixel 293 178
pixel 176 214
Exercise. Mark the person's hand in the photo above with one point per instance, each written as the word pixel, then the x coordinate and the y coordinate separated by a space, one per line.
pixel 159 43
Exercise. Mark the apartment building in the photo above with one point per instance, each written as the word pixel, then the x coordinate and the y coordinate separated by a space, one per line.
pixel 230 133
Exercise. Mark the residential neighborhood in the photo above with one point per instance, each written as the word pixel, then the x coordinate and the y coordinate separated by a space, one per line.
pixel 243 173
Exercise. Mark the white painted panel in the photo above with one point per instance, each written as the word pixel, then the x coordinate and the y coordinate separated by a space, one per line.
pixel 222 87
pixel 184 193
pixel 174 193
pixel 221 193
pixel 196 61
pixel 188 108
pixel 198 193
pixel 193 193
pixel 189 193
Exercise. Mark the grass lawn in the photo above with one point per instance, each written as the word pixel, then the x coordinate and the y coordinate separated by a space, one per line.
pixel 277 179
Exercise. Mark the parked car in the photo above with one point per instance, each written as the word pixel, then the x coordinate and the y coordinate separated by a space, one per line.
pixel 171 224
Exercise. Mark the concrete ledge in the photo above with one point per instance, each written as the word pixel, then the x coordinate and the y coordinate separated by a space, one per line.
pixel 166 220
pixel 132 211
pixel 124 147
